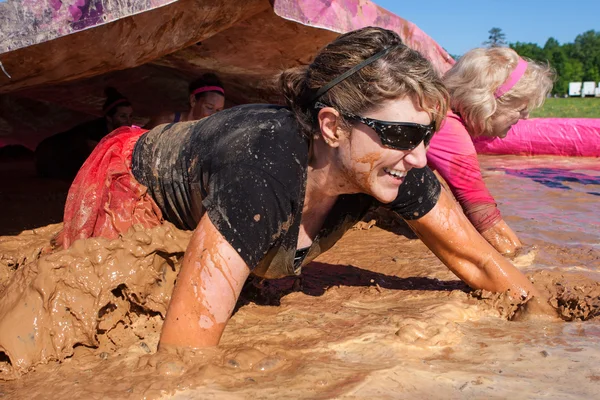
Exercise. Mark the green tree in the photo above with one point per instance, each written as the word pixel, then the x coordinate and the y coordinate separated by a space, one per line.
pixel 529 50
pixel 573 62
pixel 572 72
pixel 496 38
pixel 555 55
pixel 551 44
pixel 587 50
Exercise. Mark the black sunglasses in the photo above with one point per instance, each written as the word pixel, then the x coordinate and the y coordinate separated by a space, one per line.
pixel 395 135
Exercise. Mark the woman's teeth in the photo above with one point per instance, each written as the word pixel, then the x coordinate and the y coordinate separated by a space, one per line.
pixel 395 173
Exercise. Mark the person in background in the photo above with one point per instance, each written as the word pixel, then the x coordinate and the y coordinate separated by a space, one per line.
pixel 60 156
pixel 267 188
pixel 206 96
pixel 490 89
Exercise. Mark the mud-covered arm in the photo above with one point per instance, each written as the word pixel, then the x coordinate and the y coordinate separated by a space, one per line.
pixel 450 235
pixel 452 155
pixel 208 286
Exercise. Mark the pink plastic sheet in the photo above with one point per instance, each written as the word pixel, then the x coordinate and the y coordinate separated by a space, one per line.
pixel 576 137
pixel 345 15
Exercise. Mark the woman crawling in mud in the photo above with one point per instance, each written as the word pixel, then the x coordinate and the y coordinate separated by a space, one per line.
pixel 490 91
pixel 268 188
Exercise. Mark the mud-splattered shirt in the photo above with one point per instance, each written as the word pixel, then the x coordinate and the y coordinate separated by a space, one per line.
pixel 246 167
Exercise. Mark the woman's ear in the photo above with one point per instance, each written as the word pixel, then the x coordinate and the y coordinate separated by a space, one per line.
pixel 192 100
pixel 330 124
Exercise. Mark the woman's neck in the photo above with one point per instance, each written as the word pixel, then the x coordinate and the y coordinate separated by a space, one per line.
pixel 326 177
pixel 318 202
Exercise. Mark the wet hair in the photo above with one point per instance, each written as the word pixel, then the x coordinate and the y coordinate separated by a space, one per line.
pixel 473 80
pixel 208 79
pixel 398 73
pixel 114 100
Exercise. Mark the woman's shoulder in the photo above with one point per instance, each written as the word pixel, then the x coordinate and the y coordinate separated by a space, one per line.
pixel 257 147
pixel 453 124
pixel 262 134
pixel 262 126
pixel 255 113
pixel 453 138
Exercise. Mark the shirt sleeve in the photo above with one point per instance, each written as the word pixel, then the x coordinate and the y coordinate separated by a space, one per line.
pixel 250 208
pixel 417 195
pixel 452 154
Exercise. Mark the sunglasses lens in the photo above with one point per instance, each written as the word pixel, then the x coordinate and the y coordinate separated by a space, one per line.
pixel 398 135
pixel 405 137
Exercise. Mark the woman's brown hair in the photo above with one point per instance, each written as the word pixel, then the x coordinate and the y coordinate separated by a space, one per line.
pixel 400 72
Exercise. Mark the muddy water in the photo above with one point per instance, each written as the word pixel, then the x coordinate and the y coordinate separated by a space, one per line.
pixel 376 317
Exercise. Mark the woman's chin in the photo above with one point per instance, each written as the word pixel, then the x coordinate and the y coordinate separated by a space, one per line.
pixel 385 196
pixel 502 135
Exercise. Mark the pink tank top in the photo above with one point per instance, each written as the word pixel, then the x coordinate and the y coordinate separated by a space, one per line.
pixel 451 153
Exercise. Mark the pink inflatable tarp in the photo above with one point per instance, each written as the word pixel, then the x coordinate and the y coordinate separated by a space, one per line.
pixel 346 15
pixel 577 137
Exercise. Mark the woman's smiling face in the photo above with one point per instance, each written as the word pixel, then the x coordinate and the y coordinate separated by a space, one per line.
pixel 369 166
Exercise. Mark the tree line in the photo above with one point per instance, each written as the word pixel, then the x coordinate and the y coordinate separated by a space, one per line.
pixel 573 62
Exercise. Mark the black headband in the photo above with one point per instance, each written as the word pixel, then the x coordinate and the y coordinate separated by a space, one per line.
pixel 325 88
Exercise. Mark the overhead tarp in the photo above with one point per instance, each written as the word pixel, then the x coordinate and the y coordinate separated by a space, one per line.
pixel 126 42
pixel 347 15
pixel 28 22
pixel 151 56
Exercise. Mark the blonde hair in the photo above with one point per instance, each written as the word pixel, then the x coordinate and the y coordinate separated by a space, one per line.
pixel 401 72
pixel 473 80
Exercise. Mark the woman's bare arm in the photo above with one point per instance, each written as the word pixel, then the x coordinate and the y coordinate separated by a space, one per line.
pixel 208 286
pixel 450 235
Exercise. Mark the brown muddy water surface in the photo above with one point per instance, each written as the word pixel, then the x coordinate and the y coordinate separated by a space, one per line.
pixel 378 316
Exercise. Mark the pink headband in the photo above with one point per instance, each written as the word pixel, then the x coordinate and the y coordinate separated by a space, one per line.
pixel 512 79
pixel 114 104
pixel 208 89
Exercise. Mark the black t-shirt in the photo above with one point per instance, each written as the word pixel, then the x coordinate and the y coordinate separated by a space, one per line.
pixel 246 166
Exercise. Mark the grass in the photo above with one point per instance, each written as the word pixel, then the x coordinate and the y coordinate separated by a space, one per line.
pixel 572 107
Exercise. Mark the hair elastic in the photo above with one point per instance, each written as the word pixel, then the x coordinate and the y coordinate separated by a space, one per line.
pixel 114 104
pixel 513 78
pixel 209 89
pixel 325 88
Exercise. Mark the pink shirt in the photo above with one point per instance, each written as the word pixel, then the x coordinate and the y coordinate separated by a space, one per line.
pixel 452 154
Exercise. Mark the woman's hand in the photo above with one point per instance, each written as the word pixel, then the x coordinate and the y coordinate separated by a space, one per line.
pixel 502 238
pixel 208 286
pixel 536 308
pixel 450 235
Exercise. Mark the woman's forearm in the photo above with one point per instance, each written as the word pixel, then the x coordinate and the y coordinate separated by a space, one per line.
pixel 208 286
pixel 450 235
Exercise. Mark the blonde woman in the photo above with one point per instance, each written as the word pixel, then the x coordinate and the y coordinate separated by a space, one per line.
pixel 490 91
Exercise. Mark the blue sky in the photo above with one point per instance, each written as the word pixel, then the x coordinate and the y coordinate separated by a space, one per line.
pixel 459 25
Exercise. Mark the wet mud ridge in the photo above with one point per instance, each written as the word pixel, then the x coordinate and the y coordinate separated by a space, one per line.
pixel 377 304
pixel 51 303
